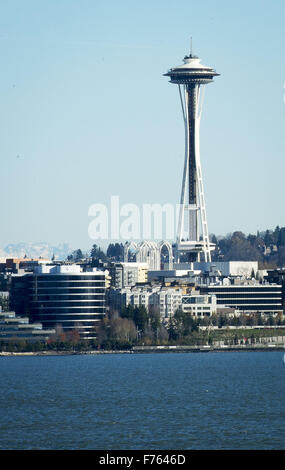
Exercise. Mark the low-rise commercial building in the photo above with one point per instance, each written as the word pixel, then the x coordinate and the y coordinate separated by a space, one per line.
pixel 199 306
pixel 226 268
pixel 13 327
pixel 248 297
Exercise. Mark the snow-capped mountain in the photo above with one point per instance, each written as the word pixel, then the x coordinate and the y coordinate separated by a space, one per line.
pixel 36 250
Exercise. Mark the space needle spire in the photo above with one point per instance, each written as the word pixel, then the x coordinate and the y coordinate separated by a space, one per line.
pixel 191 78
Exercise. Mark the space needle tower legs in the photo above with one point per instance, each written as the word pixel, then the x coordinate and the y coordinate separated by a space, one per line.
pixel 191 78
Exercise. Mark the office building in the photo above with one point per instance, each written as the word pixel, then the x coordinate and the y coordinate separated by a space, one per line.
pixel 248 297
pixel 62 295
pixel 13 328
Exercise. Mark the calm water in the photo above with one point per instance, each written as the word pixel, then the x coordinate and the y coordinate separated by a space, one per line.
pixel 231 400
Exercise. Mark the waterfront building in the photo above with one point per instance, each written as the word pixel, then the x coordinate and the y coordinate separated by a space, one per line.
pixel 13 327
pixel 248 297
pixel 62 295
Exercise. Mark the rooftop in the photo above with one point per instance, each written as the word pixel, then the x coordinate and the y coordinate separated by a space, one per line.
pixel 191 70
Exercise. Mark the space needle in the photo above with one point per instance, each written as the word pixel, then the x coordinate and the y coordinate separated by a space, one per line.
pixel 194 240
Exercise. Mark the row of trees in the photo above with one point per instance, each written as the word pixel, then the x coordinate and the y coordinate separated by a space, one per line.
pixel 95 253
pixel 255 319
pixel 133 325
pixel 115 251
pixel 136 326
pixel 267 247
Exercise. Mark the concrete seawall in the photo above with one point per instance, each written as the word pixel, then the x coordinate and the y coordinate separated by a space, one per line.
pixel 151 349
pixel 222 347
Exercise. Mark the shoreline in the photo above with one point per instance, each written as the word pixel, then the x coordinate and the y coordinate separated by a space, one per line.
pixel 151 350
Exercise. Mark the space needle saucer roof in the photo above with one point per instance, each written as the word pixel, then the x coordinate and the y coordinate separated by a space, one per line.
pixel 191 71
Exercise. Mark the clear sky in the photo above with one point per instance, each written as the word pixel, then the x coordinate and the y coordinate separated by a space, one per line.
pixel 85 112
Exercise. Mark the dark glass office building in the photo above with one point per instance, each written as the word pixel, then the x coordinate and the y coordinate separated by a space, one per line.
pixel 73 299
pixel 262 298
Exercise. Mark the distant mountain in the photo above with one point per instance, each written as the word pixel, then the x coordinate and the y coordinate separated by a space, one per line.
pixel 36 250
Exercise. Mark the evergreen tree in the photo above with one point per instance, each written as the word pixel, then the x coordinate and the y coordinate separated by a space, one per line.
pixel 276 234
pixel 140 318
pixel 268 238
pixel 116 251
pixel 75 256
pixel 281 237
pixel 97 253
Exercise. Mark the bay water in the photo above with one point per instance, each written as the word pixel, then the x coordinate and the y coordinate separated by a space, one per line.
pixel 215 400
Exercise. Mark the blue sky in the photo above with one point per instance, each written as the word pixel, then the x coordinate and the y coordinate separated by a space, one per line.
pixel 86 112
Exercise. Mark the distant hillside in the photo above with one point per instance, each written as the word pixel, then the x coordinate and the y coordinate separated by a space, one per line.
pixel 36 250
pixel 267 247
